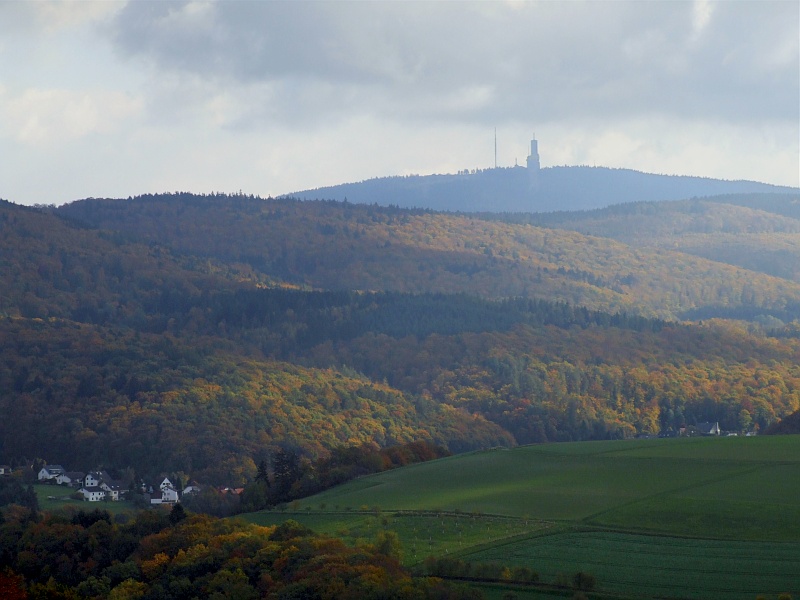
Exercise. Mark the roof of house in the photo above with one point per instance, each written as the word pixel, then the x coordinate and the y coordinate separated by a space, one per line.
pixel 75 474
pixel 54 469
pixel 707 426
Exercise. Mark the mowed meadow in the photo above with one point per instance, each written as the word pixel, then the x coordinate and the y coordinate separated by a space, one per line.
pixel 667 518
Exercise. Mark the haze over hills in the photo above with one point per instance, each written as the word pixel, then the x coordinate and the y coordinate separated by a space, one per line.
pixel 532 189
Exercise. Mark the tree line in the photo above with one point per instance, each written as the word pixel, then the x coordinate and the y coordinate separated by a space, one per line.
pixel 287 476
pixel 159 555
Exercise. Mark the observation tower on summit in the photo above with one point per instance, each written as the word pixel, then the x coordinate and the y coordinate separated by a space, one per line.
pixel 533 165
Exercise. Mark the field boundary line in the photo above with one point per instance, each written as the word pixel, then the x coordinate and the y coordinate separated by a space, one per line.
pixel 590 519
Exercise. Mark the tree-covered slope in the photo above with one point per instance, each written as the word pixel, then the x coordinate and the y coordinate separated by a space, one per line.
pixel 50 267
pixel 344 246
pixel 89 396
pixel 158 339
pixel 758 232
pixel 114 353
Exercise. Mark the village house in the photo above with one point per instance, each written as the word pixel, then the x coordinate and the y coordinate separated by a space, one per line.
pixel 93 478
pixel 93 493
pixel 708 428
pixel 103 481
pixel 5 470
pixel 96 486
pixel 50 472
pixel 192 488
pixel 71 478
pixel 113 489
pixel 165 493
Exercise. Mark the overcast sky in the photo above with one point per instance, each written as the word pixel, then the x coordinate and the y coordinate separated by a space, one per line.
pixel 116 99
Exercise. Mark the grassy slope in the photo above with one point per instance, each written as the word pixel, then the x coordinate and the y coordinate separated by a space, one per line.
pixel 57 497
pixel 630 485
pixel 688 518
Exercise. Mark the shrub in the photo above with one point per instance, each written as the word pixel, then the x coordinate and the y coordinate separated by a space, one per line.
pixel 583 581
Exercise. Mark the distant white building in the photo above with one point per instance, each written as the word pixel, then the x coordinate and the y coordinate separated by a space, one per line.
pixel 192 489
pixel 93 493
pixel 104 481
pixel 165 493
pixel 71 478
pixel 50 472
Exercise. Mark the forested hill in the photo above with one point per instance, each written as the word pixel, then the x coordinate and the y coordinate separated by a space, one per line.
pixel 178 333
pixel 334 245
pixel 508 189
pixel 116 353
pixel 759 232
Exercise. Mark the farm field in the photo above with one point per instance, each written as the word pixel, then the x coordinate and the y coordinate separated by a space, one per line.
pixel 57 497
pixel 423 534
pixel 660 566
pixel 671 518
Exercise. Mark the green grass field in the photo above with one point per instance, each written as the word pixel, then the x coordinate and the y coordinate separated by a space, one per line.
pixel 423 534
pixel 658 565
pixel 57 497
pixel 674 518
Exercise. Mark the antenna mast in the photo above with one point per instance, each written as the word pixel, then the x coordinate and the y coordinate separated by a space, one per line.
pixel 495 147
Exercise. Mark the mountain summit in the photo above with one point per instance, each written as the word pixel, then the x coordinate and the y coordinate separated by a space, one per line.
pixel 532 189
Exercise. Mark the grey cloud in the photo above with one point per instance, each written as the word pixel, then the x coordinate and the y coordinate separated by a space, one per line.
pixel 491 62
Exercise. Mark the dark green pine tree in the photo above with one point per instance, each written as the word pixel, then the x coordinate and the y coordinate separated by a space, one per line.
pixel 286 467
pixel 262 475
pixel 177 514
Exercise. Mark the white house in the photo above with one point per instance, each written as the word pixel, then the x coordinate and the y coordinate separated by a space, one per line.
pixel 5 470
pixel 165 493
pixel 93 478
pixel 104 481
pixel 92 494
pixel 71 478
pixel 192 489
pixel 113 489
pixel 50 472
pixel 168 496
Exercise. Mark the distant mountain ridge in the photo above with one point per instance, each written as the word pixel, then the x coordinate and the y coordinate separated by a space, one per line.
pixel 565 188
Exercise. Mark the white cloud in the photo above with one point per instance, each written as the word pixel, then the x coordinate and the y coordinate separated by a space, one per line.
pixel 54 15
pixel 554 60
pixel 702 11
pixel 51 116
pixel 767 152
pixel 271 97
